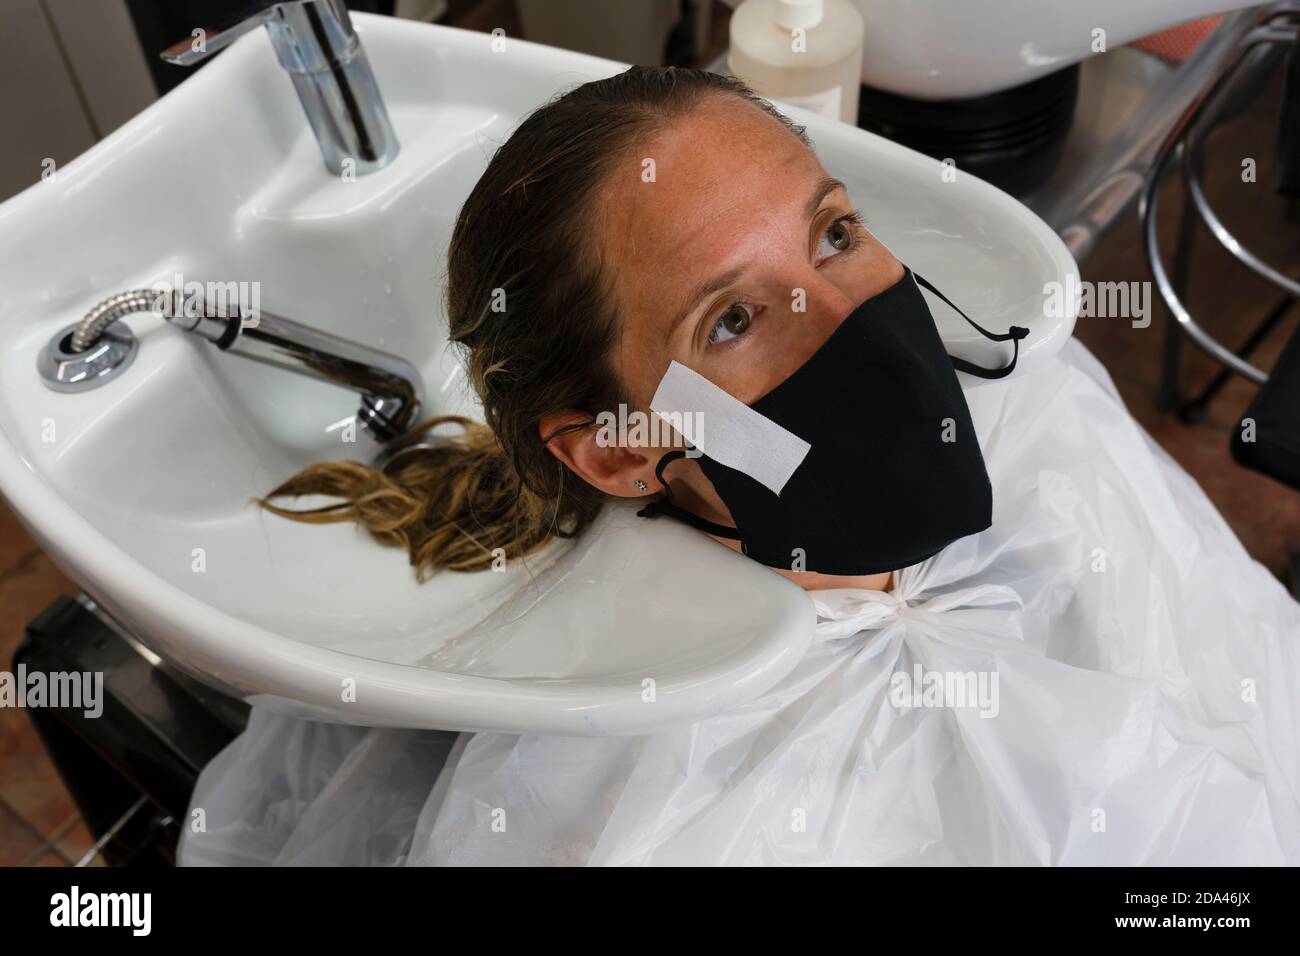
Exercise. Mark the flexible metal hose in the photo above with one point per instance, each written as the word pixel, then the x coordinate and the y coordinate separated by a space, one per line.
pixel 109 311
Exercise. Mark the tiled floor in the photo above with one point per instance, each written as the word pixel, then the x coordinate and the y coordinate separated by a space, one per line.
pixel 39 824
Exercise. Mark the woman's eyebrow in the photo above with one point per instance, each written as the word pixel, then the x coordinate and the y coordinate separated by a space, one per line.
pixel 824 188
pixel 706 287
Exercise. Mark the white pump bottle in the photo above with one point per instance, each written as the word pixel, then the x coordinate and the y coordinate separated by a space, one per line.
pixel 803 52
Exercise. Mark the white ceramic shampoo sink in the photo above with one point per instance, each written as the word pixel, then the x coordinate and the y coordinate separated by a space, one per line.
pixel 139 488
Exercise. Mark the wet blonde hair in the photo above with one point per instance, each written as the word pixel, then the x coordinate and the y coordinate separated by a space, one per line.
pixel 526 229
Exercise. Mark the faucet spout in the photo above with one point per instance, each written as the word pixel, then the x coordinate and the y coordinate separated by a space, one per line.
pixel 86 354
pixel 315 42
pixel 389 385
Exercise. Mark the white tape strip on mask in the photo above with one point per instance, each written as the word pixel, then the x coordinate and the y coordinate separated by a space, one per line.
pixel 731 432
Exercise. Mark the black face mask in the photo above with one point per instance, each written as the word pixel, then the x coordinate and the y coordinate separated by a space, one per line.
pixel 894 473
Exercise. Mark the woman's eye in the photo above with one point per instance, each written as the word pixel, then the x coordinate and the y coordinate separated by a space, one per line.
pixel 734 322
pixel 840 236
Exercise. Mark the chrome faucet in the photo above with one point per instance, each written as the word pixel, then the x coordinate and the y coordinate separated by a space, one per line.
pixel 315 42
pixel 97 349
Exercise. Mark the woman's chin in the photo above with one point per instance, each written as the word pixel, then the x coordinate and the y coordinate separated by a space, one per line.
pixel 812 581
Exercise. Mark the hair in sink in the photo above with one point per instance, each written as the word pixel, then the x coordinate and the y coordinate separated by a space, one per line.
pixel 524 233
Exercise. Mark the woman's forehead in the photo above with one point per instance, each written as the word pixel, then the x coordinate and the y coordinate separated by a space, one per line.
pixel 683 203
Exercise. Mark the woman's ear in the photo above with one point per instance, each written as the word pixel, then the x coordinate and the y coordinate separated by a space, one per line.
pixel 614 469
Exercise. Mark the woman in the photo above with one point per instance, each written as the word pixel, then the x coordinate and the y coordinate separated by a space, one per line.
pixel 1131 700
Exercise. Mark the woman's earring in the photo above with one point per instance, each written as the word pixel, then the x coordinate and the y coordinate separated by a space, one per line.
pixel 641 485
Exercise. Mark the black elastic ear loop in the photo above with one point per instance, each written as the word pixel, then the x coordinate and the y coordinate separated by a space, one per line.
pixel 667 506
pixel 1015 333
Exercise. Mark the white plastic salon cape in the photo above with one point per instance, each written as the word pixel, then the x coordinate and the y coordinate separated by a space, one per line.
pixel 1141 705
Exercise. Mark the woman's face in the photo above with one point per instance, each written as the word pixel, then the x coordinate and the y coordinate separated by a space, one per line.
pixel 709 259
